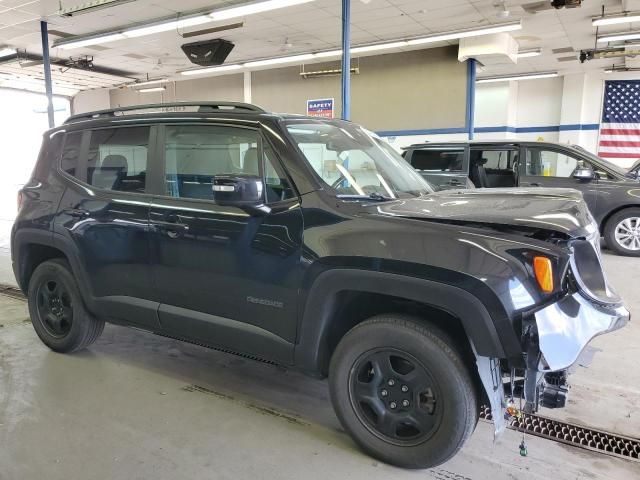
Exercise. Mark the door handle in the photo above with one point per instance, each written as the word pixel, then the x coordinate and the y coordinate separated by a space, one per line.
pixel 454 182
pixel 76 212
pixel 531 184
pixel 172 229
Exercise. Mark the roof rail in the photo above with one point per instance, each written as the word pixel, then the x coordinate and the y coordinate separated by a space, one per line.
pixel 166 107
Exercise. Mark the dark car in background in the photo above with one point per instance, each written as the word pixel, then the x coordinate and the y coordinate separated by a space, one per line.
pixel 612 193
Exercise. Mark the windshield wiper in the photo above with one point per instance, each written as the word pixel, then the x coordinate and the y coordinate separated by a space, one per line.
pixel 372 196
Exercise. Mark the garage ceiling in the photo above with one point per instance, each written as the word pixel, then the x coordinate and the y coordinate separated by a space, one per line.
pixel 303 28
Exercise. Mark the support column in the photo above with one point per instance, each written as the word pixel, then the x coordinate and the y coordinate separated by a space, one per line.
pixel 471 97
pixel 346 59
pixel 44 32
pixel 247 86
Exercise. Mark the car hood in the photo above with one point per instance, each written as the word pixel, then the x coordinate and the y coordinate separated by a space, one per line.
pixel 558 209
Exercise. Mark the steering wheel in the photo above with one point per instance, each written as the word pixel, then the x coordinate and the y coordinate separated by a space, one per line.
pixel 337 183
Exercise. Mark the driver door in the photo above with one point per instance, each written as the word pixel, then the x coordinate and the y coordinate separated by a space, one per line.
pixel 554 168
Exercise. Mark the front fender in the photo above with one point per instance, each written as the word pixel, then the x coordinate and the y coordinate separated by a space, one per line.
pixel 312 351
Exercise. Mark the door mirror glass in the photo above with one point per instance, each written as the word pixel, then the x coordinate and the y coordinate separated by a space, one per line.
pixel 583 173
pixel 238 190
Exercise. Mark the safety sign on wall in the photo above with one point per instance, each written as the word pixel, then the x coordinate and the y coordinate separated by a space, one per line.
pixel 322 107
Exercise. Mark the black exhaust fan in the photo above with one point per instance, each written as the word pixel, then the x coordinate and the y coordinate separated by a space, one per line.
pixel 209 52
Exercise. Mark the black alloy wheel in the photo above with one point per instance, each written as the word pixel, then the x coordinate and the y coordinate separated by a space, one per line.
pixel 395 396
pixel 54 307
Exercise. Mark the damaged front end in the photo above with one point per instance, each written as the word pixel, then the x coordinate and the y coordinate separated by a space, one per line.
pixel 553 337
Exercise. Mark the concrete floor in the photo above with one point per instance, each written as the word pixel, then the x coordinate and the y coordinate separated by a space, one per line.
pixel 137 406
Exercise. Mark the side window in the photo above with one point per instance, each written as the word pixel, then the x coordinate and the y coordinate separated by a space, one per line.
pixel 548 163
pixel 117 159
pixel 441 160
pixel 277 184
pixel 69 160
pixel 194 154
pixel 495 159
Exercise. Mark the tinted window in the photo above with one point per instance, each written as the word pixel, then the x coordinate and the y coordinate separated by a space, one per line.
pixel 194 154
pixel 549 163
pixel 117 159
pixel 71 153
pixel 449 160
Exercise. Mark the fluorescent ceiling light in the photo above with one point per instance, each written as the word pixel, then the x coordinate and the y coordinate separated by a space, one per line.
pixel 147 82
pixel 330 53
pixel 259 7
pixel 507 27
pixel 7 52
pixel 276 61
pixel 530 53
pixel 616 20
pixel 380 46
pixel 180 22
pixel 201 71
pixel 152 89
pixel 526 76
pixel 166 27
pixel 91 41
pixel 617 37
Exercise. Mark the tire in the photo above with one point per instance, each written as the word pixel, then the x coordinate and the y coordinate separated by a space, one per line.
pixel 57 311
pixel 443 407
pixel 624 221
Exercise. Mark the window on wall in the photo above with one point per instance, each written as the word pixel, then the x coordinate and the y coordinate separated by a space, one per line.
pixel 117 159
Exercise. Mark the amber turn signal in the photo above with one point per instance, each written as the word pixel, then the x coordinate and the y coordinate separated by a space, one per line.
pixel 544 273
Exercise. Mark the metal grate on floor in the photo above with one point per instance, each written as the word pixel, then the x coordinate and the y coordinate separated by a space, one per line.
pixel 575 435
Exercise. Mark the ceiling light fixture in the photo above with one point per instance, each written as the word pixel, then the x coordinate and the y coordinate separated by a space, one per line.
pixel 147 82
pixel 616 19
pixel 476 32
pixel 111 37
pixel 379 46
pixel 241 11
pixel 618 37
pixel 7 52
pixel 183 21
pixel 221 69
pixel 530 53
pixel 152 89
pixel 525 76
pixel 279 60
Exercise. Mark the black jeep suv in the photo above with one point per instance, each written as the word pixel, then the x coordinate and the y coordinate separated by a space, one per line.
pixel 612 193
pixel 312 244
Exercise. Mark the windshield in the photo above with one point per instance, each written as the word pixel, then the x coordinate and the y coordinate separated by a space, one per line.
pixel 355 162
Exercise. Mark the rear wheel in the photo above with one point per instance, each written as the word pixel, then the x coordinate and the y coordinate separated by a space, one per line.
pixel 622 232
pixel 403 392
pixel 56 309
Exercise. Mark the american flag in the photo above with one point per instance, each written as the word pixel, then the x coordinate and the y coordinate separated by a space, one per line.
pixel 620 128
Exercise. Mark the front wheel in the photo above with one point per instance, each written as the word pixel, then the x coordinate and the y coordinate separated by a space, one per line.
pixel 403 392
pixel 622 232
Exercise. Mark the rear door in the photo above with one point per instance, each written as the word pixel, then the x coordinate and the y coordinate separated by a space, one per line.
pixel 445 167
pixel 553 167
pixel 103 220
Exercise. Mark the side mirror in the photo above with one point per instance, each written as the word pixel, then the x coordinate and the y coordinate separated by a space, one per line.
pixel 582 173
pixel 238 190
